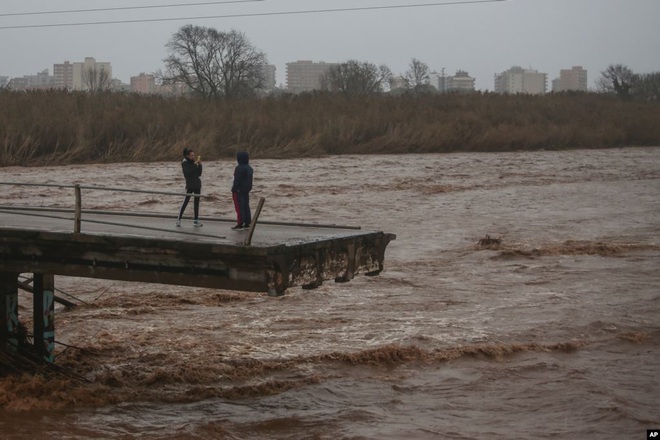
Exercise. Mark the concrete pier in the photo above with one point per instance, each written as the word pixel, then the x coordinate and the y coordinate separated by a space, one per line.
pixel 112 246
pixel 150 248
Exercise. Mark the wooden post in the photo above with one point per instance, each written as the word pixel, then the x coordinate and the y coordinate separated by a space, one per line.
pixel 8 311
pixel 248 238
pixel 44 315
pixel 78 210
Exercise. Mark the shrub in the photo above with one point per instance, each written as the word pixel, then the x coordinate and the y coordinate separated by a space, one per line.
pixel 58 127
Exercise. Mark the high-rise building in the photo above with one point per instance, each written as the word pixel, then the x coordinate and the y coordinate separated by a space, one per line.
pixel 461 82
pixel 398 83
pixel 41 80
pixel 90 75
pixel 305 76
pixel 437 80
pixel 143 83
pixel 117 86
pixel 269 71
pixel 19 83
pixel 519 80
pixel 571 79
pixel 63 74
pixel 173 89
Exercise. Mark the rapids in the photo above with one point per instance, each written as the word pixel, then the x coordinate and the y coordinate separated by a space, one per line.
pixel 552 333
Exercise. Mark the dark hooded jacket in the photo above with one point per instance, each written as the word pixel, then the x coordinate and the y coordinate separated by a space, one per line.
pixel 192 172
pixel 242 173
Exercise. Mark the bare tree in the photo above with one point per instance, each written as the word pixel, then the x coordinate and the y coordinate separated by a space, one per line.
pixel 418 74
pixel 97 79
pixel 354 78
pixel 214 64
pixel 617 78
pixel 646 87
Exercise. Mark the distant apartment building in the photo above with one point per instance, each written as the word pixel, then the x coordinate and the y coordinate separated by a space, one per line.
pixel 398 83
pixel 19 83
pixel 519 80
pixel 90 73
pixel 143 83
pixel 574 79
pixel 63 76
pixel 116 85
pixel 269 72
pixel 437 80
pixel 173 89
pixel 40 81
pixel 461 82
pixel 305 76
pixel 4 81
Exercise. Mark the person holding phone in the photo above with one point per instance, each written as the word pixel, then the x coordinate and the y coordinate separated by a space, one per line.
pixel 192 171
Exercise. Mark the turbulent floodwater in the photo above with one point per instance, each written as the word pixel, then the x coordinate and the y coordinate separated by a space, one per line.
pixel 555 333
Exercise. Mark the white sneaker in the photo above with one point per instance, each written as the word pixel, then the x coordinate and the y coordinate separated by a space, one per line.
pixel 197 223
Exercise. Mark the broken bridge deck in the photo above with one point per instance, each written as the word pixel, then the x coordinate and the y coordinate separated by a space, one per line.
pixel 145 247
pixel 150 248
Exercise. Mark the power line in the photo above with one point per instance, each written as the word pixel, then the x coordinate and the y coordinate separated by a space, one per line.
pixel 256 14
pixel 176 5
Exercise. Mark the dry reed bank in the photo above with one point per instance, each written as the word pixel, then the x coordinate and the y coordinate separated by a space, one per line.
pixel 54 127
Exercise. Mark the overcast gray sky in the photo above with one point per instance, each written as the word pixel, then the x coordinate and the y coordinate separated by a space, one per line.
pixel 483 39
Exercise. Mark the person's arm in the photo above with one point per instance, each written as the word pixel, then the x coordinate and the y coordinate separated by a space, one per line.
pixel 188 171
pixel 234 184
pixel 199 169
pixel 248 178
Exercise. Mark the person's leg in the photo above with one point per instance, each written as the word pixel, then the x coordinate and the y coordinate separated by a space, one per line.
pixel 196 205
pixel 247 211
pixel 196 221
pixel 237 208
pixel 244 205
pixel 183 208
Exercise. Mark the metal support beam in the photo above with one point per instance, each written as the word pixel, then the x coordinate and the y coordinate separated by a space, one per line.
pixel 44 315
pixel 25 285
pixel 8 311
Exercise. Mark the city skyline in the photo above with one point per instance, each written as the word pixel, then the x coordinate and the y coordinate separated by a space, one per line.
pixel 482 39
pixel 303 76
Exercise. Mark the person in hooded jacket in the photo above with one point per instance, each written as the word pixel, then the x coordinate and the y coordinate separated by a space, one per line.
pixel 241 190
pixel 192 171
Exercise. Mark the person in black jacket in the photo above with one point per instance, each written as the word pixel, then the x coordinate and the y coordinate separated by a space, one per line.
pixel 192 171
pixel 241 190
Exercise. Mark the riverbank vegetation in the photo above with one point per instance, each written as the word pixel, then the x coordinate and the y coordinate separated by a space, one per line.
pixel 56 127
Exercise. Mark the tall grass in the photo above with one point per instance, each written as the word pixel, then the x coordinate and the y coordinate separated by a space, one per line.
pixel 53 127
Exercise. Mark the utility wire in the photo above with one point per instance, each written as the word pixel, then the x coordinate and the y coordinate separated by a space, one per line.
pixel 127 8
pixel 256 14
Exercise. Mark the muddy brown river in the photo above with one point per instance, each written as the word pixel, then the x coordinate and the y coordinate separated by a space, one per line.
pixel 552 334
